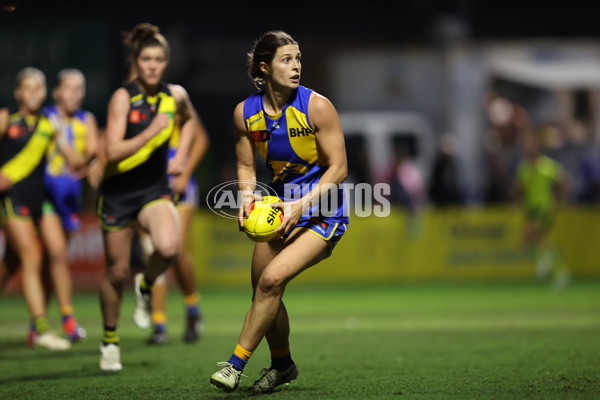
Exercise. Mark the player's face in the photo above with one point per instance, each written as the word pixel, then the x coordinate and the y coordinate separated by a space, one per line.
pixel 150 64
pixel 31 93
pixel 69 94
pixel 286 67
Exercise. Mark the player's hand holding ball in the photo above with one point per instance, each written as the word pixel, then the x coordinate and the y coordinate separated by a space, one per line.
pixel 263 219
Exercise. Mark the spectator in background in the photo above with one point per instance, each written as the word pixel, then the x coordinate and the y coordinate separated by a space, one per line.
pixel 444 188
pixel 589 171
pixel 541 185
pixel 506 122
pixel 408 187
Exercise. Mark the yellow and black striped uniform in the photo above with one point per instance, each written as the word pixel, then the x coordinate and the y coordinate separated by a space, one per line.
pixel 141 178
pixel 22 158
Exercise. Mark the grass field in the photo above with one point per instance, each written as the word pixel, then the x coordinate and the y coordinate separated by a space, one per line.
pixel 459 341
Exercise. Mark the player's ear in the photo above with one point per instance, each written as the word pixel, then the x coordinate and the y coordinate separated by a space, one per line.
pixel 264 68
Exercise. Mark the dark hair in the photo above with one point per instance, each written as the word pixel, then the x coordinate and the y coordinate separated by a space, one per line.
pixel 141 36
pixel 264 50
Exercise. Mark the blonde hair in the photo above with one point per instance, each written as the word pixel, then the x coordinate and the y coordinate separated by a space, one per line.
pixel 30 71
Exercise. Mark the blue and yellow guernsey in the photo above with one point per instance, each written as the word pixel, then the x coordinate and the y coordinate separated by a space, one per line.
pixel 148 166
pixel 288 144
pixel 76 134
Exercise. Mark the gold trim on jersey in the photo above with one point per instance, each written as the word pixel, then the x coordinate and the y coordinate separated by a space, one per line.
pixel 257 123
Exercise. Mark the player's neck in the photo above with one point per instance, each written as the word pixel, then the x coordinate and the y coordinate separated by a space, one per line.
pixel 275 99
pixel 63 113
pixel 149 90
pixel 27 112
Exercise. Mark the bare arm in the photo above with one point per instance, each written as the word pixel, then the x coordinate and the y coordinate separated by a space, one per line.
pixel 92 137
pixel 245 152
pixel 193 142
pixel 5 183
pixel 332 153
pixel 96 170
pixel 117 147
pixel 3 121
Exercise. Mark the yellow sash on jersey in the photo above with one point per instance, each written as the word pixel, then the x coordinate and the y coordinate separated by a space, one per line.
pixel 167 105
pixel 21 165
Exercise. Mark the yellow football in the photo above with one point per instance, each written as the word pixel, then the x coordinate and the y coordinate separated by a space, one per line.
pixel 263 219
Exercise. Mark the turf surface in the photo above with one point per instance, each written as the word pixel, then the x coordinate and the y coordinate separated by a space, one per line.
pixel 438 341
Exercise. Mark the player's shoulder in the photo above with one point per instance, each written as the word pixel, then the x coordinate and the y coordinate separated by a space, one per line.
pixel 121 94
pixel 177 91
pixel 317 101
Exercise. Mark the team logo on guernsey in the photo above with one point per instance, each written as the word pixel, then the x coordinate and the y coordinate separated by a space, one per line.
pixel 260 136
pixel 138 116
pixel 15 131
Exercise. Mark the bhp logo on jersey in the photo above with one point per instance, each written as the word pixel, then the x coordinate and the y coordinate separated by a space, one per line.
pixel 295 132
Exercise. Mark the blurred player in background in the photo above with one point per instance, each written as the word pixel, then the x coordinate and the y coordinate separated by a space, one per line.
pixel 79 130
pixel 299 134
pixel 542 184
pixel 185 188
pixel 25 136
pixel 135 187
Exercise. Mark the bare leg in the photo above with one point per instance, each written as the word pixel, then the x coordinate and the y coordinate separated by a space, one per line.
pixel 22 237
pixel 301 250
pixel 160 220
pixel 184 266
pixel 55 241
pixel 118 250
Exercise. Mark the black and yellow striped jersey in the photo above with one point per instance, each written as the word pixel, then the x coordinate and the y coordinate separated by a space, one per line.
pixel 148 165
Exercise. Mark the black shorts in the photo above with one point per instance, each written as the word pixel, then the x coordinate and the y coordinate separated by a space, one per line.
pixel 120 209
pixel 22 201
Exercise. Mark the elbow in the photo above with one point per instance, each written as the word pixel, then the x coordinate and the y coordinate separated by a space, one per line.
pixel 111 156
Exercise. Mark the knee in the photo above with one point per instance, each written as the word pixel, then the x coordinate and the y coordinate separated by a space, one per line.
pixel 270 285
pixel 31 260
pixel 167 248
pixel 117 273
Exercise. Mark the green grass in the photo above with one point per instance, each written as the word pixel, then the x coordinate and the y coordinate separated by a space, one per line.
pixel 438 341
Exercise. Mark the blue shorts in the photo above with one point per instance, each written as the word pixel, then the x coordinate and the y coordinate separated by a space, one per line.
pixel 190 196
pixel 330 231
pixel 63 194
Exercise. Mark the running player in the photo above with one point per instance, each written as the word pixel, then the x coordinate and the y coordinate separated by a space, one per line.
pixel 135 187
pixel 541 184
pixel 299 134
pixel 63 186
pixel 25 135
pixel 186 188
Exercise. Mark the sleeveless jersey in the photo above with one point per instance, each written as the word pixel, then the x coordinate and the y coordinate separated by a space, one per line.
pixel 23 147
pixel 76 135
pixel 147 166
pixel 288 144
